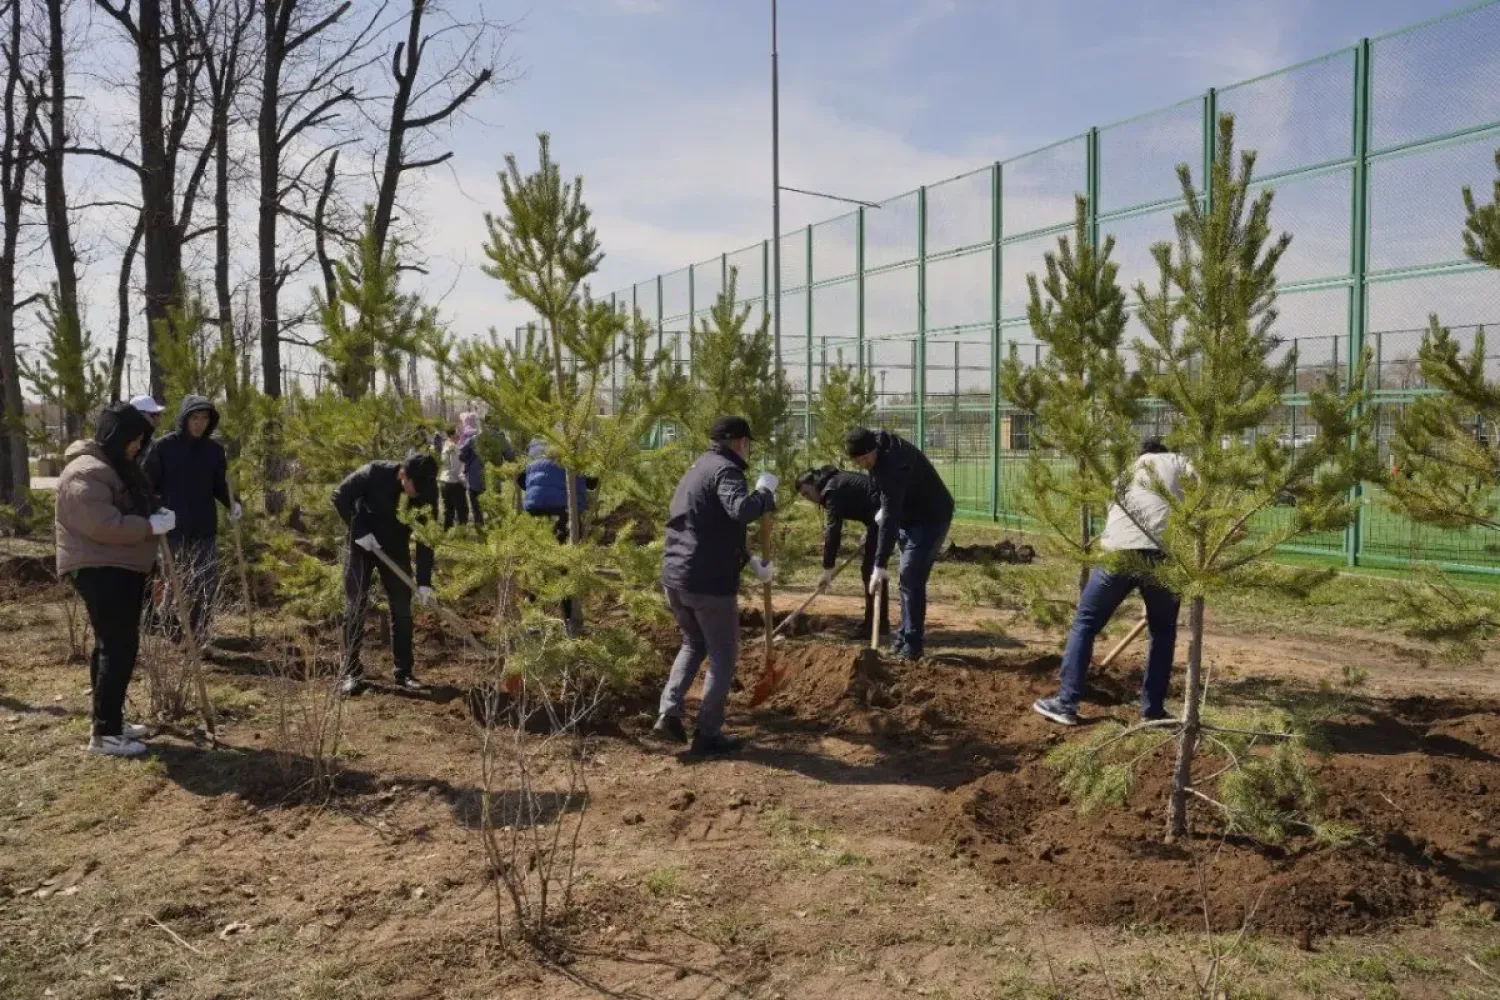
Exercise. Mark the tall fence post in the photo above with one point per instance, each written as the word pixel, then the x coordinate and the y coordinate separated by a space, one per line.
pixel 692 302
pixel 1358 264
pixel 921 359
pixel 661 338
pixel 997 190
pixel 614 359
pixel 808 313
pixel 1091 184
pixel 859 290
pixel 765 295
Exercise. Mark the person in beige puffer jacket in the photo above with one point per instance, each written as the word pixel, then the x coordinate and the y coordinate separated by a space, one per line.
pixel 106 545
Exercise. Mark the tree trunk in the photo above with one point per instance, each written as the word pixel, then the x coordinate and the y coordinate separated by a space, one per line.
pixel 15 480
pixel 122 322
pixel 390 174
pixel 575 520
pixel 1182 774
pixel 268 140
pixel 1083 541
pixel 222 291
pixel 163 253
pixel 59 229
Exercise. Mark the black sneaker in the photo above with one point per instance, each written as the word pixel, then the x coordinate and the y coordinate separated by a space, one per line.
pixel 670 729
pixel 717 745
pixel 406 682
pixel 1158 715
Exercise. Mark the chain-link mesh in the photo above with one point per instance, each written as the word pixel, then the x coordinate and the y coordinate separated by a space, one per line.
pixel 1405 123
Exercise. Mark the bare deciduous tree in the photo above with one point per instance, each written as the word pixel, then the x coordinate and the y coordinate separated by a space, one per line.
pixel 19 115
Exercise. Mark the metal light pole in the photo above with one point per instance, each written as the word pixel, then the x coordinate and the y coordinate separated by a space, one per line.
pixel 775 194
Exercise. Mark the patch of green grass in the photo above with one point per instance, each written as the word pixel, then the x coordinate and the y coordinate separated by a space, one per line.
pixel 663 881
pixel 734 930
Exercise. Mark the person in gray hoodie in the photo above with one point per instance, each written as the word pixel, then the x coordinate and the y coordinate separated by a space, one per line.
pixel 188 470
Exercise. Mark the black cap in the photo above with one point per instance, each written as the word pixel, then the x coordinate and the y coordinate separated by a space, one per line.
pixel 860 441
pixel 1153 446
pixel 730 429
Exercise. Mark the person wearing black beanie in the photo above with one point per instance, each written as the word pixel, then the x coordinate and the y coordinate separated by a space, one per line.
pixel 369 503
pixel 106 545
pixel 916 510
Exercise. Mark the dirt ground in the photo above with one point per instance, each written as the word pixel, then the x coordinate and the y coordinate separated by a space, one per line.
pixel 888 833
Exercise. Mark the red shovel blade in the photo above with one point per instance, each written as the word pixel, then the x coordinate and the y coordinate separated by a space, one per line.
pixel 770 680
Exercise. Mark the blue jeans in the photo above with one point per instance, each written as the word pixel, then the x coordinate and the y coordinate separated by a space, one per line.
pixel 1103 594
pixel 920 544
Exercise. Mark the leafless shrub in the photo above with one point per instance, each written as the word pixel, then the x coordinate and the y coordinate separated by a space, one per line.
pixel 309 721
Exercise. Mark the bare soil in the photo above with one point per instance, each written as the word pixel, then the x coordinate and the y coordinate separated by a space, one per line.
pixel 889 832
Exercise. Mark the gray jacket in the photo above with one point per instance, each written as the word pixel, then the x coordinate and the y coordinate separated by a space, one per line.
pixel 705 546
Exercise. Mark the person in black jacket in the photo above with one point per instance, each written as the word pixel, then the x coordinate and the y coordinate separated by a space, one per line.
pixel 705 552
pixel 369 502
pixel 187 469
pixel 916 509
pixel 848 496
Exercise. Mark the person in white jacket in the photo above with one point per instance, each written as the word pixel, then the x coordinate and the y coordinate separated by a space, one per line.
pixel 1135 525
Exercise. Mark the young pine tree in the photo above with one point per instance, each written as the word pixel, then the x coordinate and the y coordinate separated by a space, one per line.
pixel 370 326
pixel 1084 402
pixel 68 373
pixel 1447 452
pixel 1211 359
pixel 846 399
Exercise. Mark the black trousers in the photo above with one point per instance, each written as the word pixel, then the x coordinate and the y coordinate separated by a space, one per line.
pixel 455 504
pixel 113 598
pixel 359 571
pixel 198 564
pixel 474 507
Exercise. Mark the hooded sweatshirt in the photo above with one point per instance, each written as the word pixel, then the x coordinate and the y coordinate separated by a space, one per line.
pixel 102 506
pixel 188 474
pixel 468 451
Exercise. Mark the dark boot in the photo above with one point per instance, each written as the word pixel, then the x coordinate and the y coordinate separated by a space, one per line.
pixel 717 745
pixel 670 729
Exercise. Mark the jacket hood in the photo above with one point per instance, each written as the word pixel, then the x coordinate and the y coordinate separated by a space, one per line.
pixel 82 449
pixel 197 404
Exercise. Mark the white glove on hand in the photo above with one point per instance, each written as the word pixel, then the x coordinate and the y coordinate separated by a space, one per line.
pixel 426 596
pixel 163 521
pixel 877 577
pixel 766 481
pixel 236 512
pixel 825 580
pixel 880 517
pixel 367 542
pixel 761 568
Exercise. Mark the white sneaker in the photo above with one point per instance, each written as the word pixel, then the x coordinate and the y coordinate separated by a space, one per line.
pixel 116 746
pixel 133 732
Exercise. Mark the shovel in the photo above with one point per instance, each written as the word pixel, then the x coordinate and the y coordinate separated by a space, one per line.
pixel 786 622
pixel 185 621
pixel 239 551
pixel 1109 658
pixel 512 682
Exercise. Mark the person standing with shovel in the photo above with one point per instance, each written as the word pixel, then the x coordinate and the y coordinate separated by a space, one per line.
pixel 1132 530
pixel 848 496
pixel 369 502
pixel 705 552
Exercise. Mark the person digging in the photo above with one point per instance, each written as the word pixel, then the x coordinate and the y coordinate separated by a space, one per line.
pixel 916 510
pixel 848 496
pixel 705 552
pixel 369 502
pixel 1131 531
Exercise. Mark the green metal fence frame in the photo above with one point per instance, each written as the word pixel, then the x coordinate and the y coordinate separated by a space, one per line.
pixel 1357 282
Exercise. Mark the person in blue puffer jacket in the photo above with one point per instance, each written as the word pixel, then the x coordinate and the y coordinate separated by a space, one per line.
pixel 544 494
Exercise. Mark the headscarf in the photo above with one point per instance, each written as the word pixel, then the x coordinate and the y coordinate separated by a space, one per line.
pixel 118 425
pixel 468 424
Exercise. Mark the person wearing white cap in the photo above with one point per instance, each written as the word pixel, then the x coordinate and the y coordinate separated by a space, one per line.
pixel 149 408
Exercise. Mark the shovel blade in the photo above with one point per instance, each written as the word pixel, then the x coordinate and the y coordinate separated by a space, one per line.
pixel 770 680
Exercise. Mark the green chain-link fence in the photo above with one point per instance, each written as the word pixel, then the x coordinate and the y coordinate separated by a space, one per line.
pixel 1367 148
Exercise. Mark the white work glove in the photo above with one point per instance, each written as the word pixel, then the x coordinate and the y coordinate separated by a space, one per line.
pixel 877 577
pixel 426 596
pixel 163 521
pixel 766 481
pixel 825 580
pixel 236 512
pixel 880 517
pixel 367 542
pixel 761 568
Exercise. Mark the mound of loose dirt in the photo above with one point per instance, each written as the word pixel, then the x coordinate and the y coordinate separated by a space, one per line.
pixel 1418 786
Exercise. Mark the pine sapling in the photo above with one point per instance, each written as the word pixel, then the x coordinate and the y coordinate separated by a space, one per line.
pixel 1084 400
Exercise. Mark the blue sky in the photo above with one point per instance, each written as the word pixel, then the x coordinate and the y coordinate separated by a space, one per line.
pixel 661 104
